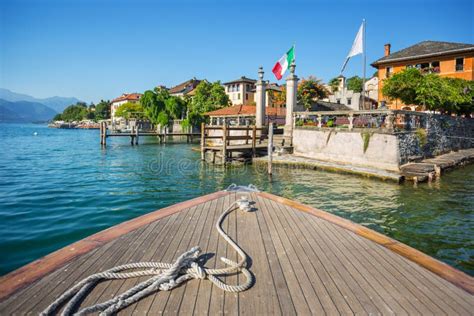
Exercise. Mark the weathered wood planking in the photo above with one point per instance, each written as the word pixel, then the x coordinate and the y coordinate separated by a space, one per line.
pixel 304 261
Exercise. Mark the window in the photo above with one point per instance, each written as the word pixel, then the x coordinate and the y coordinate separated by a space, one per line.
pixel 459 64
pixel 435 66
pixel 338 101
pixel 238 96
pixel 388 72
pixel 349 101
pixel 238 88
pixel 246 96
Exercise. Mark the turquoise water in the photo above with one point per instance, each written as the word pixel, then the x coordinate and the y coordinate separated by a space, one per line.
pixel 60 186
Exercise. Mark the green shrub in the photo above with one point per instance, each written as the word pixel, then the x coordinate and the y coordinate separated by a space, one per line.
pixel 421 135
pixel 366 138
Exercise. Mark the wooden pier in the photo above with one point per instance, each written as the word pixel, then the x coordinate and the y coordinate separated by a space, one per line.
pixel 135 134
pixel 227 140
pixel 304 261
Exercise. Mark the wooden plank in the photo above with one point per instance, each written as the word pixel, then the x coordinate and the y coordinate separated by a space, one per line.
pixel 78 273
pixel 444 270
pixel 157 301
pixel 430 287
pixel 130 250
pixel 192 288
pixel 205 287
pixel 375 284
pixel 291 276
pixel 402 282
pixel 216 302
pixel 275 268
pixel 231 300
pixel 312 298
pixel 339 275
pixel 183 298
pixel 156 237
pixel 328 277
pixel 331 305
pixel 175 296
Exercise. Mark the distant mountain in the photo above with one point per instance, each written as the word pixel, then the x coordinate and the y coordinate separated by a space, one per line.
pixel 24 111
pixel 56 103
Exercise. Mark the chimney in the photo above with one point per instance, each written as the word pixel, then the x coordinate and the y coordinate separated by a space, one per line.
pixel 387 49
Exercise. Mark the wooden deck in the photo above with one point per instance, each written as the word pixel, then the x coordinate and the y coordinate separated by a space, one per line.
pixel 304 261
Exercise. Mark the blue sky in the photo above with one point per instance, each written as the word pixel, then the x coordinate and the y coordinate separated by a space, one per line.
pixel 99 49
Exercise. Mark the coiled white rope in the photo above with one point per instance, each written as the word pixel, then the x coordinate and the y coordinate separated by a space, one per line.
pixel 165 276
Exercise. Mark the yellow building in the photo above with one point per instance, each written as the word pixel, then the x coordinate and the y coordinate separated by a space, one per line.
pixel 446 59
pixel 241 91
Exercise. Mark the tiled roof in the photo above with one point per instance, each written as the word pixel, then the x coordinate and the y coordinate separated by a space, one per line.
pixel 185 87
pixel 128 97
pixel 271 86
pixel 249 110
pixel 241 79
pixel 425 49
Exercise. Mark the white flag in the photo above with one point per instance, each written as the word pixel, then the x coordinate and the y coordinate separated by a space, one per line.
pixel 357 46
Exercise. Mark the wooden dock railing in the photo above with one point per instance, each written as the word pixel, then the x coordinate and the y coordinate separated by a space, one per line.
pixel 227 139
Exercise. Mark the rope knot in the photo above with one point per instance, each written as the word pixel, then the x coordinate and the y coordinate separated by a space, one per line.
pixel 197 271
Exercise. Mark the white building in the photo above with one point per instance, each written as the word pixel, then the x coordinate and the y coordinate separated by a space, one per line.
pixel 124 98
pixel 352 99
pixel 241 91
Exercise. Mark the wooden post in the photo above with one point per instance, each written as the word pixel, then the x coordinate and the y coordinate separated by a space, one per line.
pixel 165 134
pixel 270 147
pixel 136 135
pixel 101 133
pixel 132 135
pixel 105 134
pixel 203 140
pixel 254 141
pixel 224 143
pixel 247 132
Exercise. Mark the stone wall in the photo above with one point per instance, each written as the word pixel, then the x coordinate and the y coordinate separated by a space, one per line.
pixel 382 149
pixel 441 134
pixel 347 147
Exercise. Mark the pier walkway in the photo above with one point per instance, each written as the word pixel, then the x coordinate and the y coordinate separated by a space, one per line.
pixel 305 261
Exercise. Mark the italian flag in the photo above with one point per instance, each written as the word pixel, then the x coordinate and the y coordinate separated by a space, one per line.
pixel 285 61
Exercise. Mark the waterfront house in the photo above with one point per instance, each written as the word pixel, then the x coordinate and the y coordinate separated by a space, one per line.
pixel 124 98
pixel 241 91
pixel 185 88
pixel 352 99
pixel 453 60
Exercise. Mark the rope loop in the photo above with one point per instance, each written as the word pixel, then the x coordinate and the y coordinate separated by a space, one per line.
pixel 164 276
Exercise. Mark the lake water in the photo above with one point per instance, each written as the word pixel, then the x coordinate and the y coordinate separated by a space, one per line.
pixel 59 186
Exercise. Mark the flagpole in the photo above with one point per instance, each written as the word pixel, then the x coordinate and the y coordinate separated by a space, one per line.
pixel 363 71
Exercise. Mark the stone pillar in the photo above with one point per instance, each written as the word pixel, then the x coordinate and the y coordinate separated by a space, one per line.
pixel 260 99
pixel 291 89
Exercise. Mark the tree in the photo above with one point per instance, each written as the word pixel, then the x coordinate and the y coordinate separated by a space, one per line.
pixel 175 107
pixel 355 84
pixel 403 85
pixel 102 110
pixel 334 84
pixel 447 95
pixel 130 110
pixel 310 90
pixel 154 105
pixel 208 97
pixel 76 112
